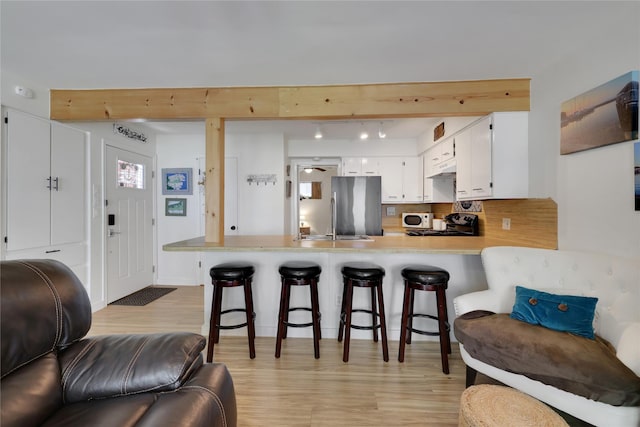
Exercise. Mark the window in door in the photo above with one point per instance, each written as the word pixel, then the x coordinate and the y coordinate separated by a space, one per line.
pixel 130 175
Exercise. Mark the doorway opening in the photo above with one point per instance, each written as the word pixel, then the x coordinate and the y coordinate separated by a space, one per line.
pixel 312 195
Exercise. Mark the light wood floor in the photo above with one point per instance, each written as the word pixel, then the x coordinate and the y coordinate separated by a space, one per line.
pixel 297 389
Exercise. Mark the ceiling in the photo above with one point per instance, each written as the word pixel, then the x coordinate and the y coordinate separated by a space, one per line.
pixel 142 44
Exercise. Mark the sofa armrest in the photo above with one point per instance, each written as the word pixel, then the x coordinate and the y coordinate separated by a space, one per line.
pixel 482 300
pixel 211 401
pixel 118 365
pixel 628 348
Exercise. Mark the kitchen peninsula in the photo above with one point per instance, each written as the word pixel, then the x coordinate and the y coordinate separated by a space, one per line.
pixel 459 255
pixel 403 244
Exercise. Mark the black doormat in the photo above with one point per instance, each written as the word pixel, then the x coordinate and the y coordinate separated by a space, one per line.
pixel 143 296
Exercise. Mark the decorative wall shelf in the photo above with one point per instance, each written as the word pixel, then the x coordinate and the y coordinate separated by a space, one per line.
pixel 263 178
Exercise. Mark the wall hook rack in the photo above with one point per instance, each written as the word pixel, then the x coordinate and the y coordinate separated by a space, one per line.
pixel 264 178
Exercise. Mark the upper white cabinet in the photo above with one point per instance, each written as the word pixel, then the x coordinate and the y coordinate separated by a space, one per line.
pixel 401 179
pixel 463 164
pixel 45 183
pixel 359 166
pixel 436 190
pixel 492 158
pixel 441 156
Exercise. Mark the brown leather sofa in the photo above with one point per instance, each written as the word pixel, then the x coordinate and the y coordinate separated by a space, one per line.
pixel 53 376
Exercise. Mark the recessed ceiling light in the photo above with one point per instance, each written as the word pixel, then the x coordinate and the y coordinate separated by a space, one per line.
pixel 363 133
pixel 381 133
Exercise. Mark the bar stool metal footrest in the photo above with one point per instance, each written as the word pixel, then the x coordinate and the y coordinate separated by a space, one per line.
pixel 422 331
pixel 236 326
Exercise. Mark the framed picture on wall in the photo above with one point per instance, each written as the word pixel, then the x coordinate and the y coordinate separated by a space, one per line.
pixel 175 207
pixel 605 115
pixel 177 181
pixel 636 173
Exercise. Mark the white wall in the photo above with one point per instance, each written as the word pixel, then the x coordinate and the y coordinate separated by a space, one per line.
pixel 451 126
pixel 594 188
pixel 178 268
pixel 38 105
pixel 260 207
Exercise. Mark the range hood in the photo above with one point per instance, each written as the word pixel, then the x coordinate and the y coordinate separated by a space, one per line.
pixel 448 167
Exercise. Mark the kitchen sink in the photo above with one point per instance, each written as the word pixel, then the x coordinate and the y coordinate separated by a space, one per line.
pixel 360 238
pixel 328 237
pixel 315 237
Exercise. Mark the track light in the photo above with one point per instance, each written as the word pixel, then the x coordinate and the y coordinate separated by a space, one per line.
pixel 318 134
pixel 363 133
pixel 381 132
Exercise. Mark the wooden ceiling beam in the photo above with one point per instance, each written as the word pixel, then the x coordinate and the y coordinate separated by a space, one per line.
pixel 463 98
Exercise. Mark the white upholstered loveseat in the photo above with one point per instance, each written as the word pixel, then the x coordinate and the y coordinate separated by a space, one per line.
pixel 615 281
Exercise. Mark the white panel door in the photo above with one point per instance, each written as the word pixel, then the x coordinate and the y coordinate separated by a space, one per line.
pixel 28 182
pixel 130 238
pixel 68 195
pixel 231 196
pixel 230 203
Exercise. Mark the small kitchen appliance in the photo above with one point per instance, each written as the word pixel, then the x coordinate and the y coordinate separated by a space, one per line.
pixel 417 220
pixel 457 224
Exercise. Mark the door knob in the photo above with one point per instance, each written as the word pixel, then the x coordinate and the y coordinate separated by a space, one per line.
pixel 113 233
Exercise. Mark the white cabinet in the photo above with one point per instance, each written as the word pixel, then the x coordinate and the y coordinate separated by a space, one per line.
pixel 447 149
pixel 45 184
pixel 492 158
pixel 412 179
pixel 436 190
pixel 391 177
pixel 463 164
pixel 441 156
pixel 68 200
pixel 360 166
pixel 401 179
pixel 352 166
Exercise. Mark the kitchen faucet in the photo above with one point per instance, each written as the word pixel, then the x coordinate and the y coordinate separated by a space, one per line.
pixel 334 213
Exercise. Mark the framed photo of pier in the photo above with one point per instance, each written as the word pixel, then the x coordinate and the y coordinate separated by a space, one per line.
pixel 605 115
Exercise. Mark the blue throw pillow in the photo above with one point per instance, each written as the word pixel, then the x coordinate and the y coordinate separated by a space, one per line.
pixel 567 313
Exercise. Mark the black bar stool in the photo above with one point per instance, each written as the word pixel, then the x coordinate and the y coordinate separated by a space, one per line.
pixel 299 273
pixel 230 275
pixel 433 279
pixel 363 275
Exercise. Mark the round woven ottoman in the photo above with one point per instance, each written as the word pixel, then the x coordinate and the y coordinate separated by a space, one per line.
pixel 493 405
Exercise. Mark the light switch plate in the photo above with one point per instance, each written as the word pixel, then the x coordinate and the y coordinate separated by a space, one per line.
pixel 391 211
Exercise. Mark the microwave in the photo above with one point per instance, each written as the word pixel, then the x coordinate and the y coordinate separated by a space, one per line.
pixel 417 220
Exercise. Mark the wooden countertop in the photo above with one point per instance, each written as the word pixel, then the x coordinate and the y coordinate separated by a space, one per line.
pixel 460 245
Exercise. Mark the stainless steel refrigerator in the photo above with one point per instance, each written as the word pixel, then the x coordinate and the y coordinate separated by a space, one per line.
pixel 357 205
